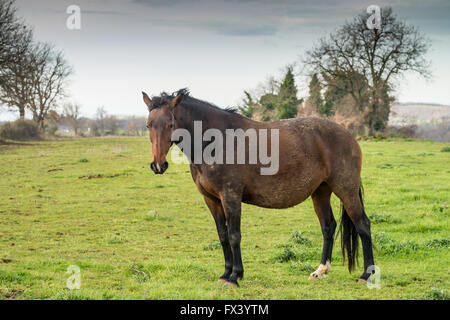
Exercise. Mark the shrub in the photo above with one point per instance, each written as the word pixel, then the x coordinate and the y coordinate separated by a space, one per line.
pixel 51 129
pixel 403 247
pixel 380 218
pixel 287 255
pixel 438 243
pixel 388 245
pixel 299 238
pixel 408 131
pixel 351 122
pixel 440 208
pixel 213 246
pixel 381 239
pixel 20 130
pixel 301 266
pixel 438 294
pixel 379 136
pixel 445 149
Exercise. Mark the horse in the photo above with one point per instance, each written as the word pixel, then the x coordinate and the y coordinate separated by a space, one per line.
pixel 317 157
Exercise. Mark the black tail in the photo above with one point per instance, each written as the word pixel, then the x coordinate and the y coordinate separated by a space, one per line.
pixel 349 236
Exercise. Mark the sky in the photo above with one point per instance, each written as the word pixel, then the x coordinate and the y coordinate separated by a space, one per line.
pixel 216 48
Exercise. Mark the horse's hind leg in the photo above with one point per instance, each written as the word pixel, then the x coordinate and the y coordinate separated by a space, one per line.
pixel 321 201
pixel 359 222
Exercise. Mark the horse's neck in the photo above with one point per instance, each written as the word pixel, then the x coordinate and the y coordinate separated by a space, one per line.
pixel 187 115
pixel 188 118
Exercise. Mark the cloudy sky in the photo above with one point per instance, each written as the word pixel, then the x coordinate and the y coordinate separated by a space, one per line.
pixel 217 48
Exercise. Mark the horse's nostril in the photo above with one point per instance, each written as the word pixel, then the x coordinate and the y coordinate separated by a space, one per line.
pixel 157 169
pixel 164 167
pixel 153 167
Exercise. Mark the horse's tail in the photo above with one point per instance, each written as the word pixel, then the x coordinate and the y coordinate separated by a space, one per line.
pixel 349 236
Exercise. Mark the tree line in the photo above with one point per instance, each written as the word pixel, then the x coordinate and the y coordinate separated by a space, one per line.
pixel 33 75
pixel 102 124
pixel 352 74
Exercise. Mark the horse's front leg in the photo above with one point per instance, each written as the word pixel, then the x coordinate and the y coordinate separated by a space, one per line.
pixel 215 206
pixel 232 209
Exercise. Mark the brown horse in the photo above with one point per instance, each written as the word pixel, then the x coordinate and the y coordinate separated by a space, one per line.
pixel 316 158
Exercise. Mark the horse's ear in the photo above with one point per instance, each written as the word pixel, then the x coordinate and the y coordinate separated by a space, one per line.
pixel 175 101
pixel 147 100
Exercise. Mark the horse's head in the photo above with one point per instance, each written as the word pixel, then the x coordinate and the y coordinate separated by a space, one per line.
pixel 161 124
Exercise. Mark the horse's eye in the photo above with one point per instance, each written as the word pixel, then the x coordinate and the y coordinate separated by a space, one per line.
pixel 170 126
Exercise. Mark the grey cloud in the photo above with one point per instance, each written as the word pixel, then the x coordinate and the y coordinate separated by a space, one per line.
pixel 245 31
pixel 164 3
pixel 104 12
pixel 255 18
pixel 219 28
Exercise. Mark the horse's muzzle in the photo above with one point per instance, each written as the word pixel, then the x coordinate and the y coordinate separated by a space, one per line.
pixel 159 169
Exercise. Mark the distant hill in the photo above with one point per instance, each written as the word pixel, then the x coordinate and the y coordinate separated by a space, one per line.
pixel 413 112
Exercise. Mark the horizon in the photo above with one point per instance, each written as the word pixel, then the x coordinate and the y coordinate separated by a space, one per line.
pixel 216 48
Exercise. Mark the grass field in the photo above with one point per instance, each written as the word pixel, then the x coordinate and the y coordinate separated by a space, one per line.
pixel 94 203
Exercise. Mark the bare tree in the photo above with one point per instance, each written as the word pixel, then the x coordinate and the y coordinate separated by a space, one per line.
pixel 135 126
pixel 16 87
pixel 49 74
pixel 111 125
pixel 11 32
pixel 33 76
pixel 101 115
pixel 15 43
pixel 368 61
pixel 71 113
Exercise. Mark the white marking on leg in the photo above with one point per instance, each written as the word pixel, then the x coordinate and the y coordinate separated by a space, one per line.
pixel 321 271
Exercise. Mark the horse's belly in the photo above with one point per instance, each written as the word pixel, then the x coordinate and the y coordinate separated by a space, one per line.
pixel 281 191
pixel 274 203
pixel 277 198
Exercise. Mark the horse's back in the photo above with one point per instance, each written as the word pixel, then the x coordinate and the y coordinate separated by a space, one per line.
pixel 311 151
pixel 330 143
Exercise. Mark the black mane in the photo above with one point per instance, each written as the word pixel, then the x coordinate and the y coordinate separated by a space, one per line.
pixel 164 98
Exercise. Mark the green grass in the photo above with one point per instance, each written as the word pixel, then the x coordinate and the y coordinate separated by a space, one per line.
pixel 94 203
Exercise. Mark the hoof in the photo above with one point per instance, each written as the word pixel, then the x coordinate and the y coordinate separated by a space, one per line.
pixel 230 284
pixel 321 271
pixel 316 276
pixel 360 280
pixel 222 281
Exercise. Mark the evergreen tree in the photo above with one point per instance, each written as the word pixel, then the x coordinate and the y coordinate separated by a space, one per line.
pixel 287 97
pixel 276 102
pixel 248 107
pixel 315 101
pixel 268 106
pixel 338 88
